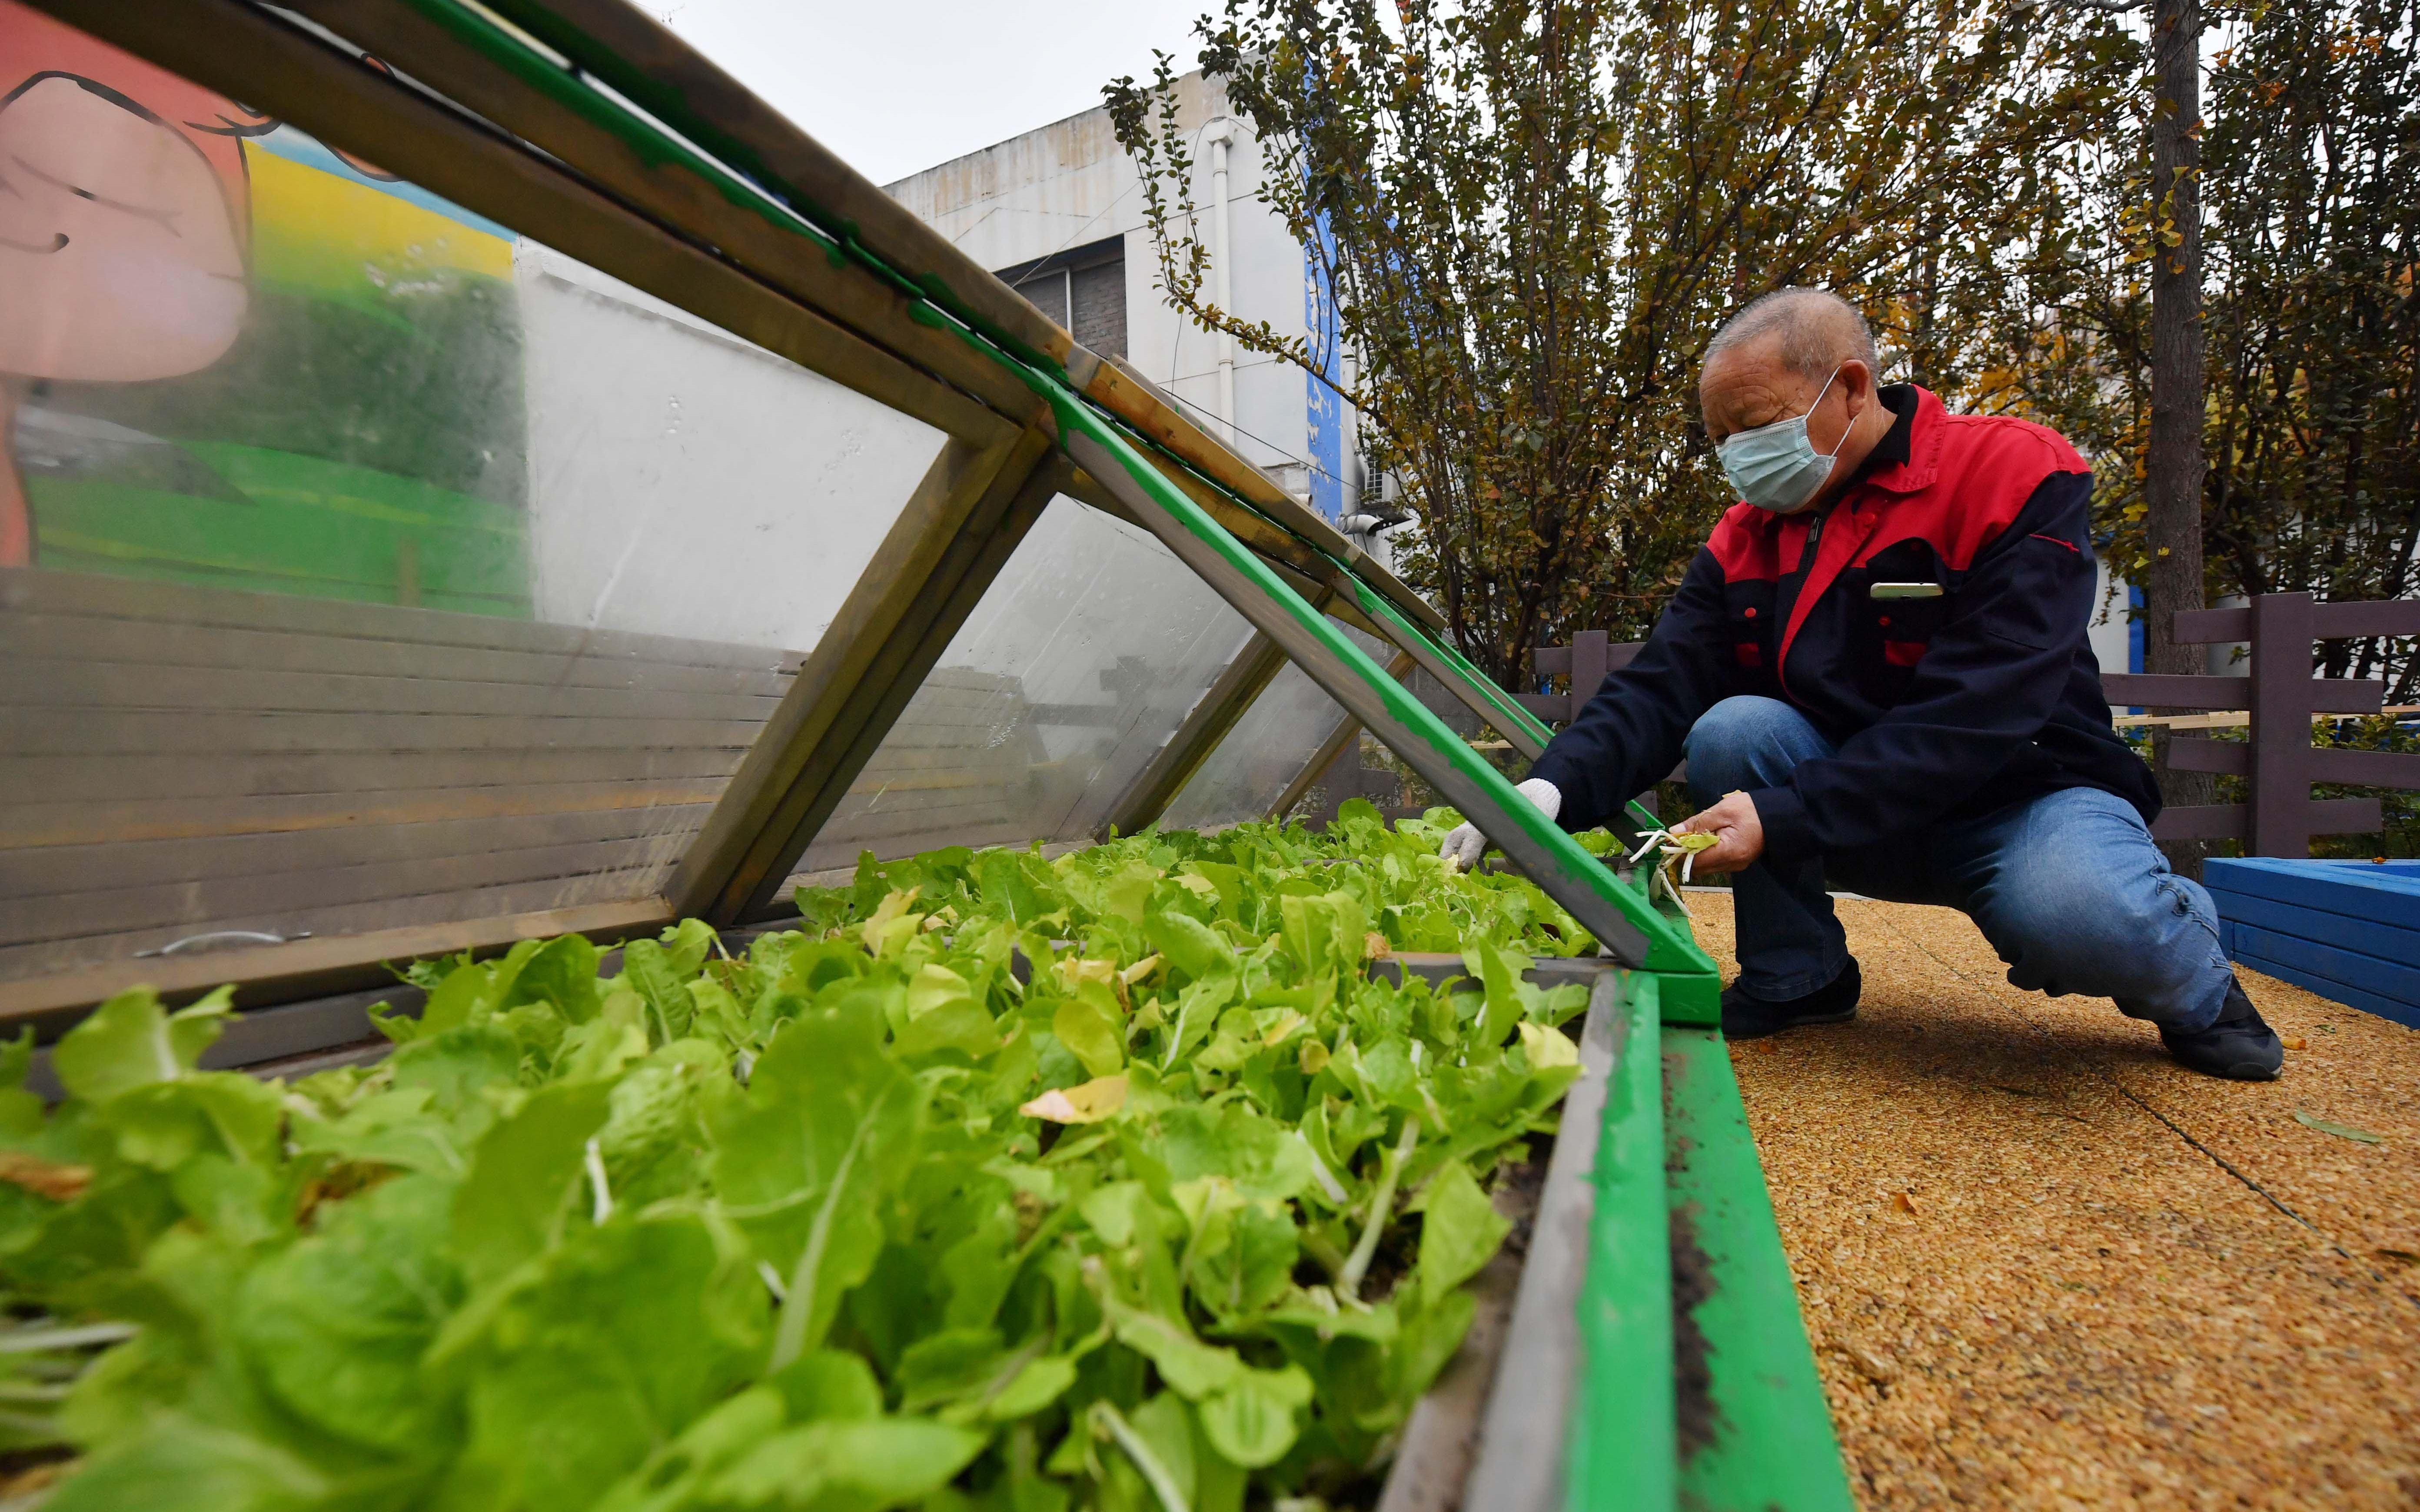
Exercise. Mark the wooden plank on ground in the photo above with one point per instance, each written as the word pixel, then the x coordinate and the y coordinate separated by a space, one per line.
pixel 238 901
pixel 305 969
pixel 2368 1002
pixel 29 827
pixel 2369 936
pixel 35 591
pixel 2396 980
pixel 195 863
pixel 177 775
pixel 138 732
pixel 155 642
pixel 2363 891
pixel 33 687
pixel 301 926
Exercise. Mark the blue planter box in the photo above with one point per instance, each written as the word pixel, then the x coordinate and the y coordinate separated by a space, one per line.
pixel 2346 930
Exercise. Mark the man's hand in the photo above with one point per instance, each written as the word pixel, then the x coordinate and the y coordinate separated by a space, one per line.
pixel 1742 834
pixel 1464 845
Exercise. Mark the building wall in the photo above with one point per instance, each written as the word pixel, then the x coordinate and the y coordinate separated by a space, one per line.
pixel 1069 185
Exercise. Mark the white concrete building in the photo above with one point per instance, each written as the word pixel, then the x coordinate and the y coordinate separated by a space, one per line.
pixel 1059 212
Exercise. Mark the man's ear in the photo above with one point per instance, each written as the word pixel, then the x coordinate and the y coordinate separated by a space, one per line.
pixel 1856 382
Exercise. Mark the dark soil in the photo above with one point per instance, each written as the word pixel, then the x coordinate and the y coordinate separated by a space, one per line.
pixel 1695 1415
pixel 1696 1418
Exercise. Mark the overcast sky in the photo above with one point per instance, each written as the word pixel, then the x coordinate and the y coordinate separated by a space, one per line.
pixel 895 85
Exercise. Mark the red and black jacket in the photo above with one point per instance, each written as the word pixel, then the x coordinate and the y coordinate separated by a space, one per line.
pixel 1941 707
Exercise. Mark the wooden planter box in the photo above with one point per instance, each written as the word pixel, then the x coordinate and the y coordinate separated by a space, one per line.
pixel 2349 931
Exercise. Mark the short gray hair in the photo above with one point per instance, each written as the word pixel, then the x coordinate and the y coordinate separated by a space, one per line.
pixel 1818 331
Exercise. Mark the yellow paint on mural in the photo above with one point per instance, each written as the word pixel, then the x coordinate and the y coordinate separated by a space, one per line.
pixel 330 237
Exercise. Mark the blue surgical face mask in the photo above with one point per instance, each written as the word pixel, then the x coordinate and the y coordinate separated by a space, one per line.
pixel 1775 467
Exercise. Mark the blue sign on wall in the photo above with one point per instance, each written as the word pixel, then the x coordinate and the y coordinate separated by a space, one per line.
pixel 1323 411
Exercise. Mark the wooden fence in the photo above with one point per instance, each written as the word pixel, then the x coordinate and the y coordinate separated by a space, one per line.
pixel 2278 760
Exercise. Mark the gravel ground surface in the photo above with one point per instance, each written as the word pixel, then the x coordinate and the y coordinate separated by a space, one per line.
pixel 2044 1267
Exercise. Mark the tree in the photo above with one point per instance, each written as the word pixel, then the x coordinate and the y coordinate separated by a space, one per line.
pixel 1535 213
pixel 2314 422
pixel 2310 421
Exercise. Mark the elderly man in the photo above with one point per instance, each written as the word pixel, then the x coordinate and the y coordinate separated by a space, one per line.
pixel 1877 670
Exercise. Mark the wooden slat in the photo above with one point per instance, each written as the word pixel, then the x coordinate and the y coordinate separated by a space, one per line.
pixel 2397 979
pixel 2160 690
pixel 330 963
pixel 31 686
pixel 37 592
pixel 310 764
pixel 174 775
pixel 2226 757
pixel 2365 768
pixel 2167 691
pixel 1556 661
pixel 120 731
pixel 2355 768
pixel 2382 939
pixel 2229 820
pixel 2207 821
pixel 2329 622
pixel 196 862
pixel 146 918
pixel 33 826
pixel 185 645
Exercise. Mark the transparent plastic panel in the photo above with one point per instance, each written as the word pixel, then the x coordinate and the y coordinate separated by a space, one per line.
pixel 1069 676
pixel 365 565
pixel 1248 771
pixel 1259 758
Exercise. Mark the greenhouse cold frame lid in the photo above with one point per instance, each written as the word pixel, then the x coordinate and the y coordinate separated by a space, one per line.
pixel 528 487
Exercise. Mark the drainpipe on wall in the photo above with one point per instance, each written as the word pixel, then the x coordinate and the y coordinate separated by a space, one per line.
pixel 1220 133
pixel 1349 450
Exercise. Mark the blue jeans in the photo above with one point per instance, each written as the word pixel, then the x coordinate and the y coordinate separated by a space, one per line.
pixel 2068 886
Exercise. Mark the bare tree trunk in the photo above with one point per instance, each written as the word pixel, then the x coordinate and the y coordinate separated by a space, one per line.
pixel 2175 467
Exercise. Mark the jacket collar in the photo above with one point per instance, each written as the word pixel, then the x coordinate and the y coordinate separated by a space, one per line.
pixel 1908 457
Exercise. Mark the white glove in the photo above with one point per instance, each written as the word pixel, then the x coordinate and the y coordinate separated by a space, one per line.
pixel 1464 846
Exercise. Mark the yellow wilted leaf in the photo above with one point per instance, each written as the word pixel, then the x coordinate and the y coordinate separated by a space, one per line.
pixel 1140 969
pixel 1074 973
pixel 1096 1099
pixel 878 930
pixel 49 1179
pixel 1546 1047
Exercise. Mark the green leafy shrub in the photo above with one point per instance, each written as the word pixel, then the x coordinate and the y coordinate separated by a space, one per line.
pixel 1112 1182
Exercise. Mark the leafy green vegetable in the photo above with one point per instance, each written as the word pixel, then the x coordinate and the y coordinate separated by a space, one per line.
pixel 1109 1182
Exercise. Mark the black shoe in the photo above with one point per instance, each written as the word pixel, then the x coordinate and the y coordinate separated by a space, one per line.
pixel 1753 1018
pixel 2239 1046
